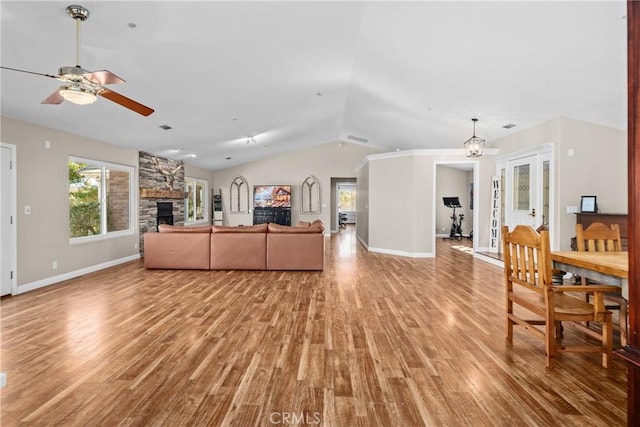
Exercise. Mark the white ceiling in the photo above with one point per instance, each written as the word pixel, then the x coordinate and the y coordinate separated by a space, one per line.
pixel 401 75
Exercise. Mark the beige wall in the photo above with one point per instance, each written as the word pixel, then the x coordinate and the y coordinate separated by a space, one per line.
pixel 326 161
pixel 42 184
pixel 402 194
pixel 362 221
pixel 597 167
pixel 391 202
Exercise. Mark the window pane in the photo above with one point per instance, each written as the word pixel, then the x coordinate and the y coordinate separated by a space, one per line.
pixel 195 202
pixel 190 216
pixel 521 190
pixel 199 202
pixel 84 199
pixel 117 200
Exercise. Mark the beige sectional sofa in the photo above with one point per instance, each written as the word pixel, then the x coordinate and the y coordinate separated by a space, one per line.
pixel 252 247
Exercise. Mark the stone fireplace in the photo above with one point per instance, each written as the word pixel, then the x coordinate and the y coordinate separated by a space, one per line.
pixel 161 183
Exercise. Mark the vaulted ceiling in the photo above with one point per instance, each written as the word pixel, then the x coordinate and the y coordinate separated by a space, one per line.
pixel 238 81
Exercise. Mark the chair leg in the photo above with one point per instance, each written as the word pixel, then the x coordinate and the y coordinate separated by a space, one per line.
pixel 623 320
pixel 607 341
pixel 550 343
pixel 509 321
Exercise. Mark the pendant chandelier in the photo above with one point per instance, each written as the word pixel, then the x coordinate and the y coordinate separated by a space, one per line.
pixel 473 146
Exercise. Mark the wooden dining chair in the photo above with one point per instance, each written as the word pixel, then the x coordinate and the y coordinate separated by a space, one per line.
pixel 536 304
pixel 600 237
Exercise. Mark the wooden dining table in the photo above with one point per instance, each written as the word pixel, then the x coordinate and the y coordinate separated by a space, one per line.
pixel 611 268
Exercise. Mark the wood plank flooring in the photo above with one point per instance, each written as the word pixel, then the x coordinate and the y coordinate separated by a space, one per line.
pixel 374 340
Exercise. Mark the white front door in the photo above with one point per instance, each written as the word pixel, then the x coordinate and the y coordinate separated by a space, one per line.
pixel 7 220
pixel 522 192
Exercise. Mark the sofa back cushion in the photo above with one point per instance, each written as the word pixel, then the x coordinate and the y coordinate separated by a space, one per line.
pixel 277 228
pixel 166 228
pixel 177 251
pixel 260 228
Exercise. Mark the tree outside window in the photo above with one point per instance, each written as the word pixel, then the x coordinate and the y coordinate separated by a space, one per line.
pixel 347 200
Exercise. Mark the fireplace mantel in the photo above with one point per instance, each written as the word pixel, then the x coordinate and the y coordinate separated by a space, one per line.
pixel 153 193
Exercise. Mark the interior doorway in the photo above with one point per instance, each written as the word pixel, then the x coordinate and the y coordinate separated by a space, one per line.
pixel 8 219
pixel 343 201
pixel 455 179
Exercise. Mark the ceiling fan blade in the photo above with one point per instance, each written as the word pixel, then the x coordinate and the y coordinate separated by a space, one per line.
pixel 104 77
pixel 54 98
pixel 125 102
pixel 29 72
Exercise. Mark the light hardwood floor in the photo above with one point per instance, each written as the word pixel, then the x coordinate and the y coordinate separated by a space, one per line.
pixel 374 340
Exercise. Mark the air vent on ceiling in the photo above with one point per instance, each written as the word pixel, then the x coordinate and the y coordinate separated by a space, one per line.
pixel 509 126
pixel 165 127
pixel 357 138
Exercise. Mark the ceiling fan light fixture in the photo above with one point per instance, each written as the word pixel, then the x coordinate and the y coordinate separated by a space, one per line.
pixel 474 146
pixel 78 95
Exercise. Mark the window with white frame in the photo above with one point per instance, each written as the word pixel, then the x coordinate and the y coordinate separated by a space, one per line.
pixel 347 196
pixel 100 199
pixel 196 201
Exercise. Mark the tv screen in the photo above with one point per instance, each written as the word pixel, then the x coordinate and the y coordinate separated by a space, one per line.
pixel 272 196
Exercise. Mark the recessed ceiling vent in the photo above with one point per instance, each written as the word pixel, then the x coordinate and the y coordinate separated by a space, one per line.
pixel 357 138
pixel 165 127
pixel 509 126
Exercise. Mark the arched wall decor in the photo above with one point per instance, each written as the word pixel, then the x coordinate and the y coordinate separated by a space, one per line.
pixel 310 196
pixel 239 195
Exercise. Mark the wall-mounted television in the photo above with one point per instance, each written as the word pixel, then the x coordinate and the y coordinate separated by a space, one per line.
pixel 272 196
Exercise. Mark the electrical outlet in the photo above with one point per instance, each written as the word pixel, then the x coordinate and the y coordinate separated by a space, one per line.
pixel 54 265
pixel 27 210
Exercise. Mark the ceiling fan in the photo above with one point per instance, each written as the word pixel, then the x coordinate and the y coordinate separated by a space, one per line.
pixel 82 86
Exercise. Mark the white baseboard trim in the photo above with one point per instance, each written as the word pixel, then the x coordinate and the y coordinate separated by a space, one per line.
pixel 362 242
pixel 402 253
pixel 70 275
pixel 489 259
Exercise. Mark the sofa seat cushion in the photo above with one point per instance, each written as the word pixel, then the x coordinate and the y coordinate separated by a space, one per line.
pixel 166 228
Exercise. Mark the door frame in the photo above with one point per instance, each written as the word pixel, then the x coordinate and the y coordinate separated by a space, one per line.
pixel 542 153
pixel 11 199
pixel 335 200
pixel 476 191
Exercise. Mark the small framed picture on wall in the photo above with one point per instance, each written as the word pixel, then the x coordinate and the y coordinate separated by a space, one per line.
pixel 588 204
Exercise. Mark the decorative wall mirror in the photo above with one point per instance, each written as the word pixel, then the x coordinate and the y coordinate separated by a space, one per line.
pixel 310 196
pixel 239 195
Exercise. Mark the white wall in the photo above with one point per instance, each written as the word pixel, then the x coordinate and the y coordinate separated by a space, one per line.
pixel 326 161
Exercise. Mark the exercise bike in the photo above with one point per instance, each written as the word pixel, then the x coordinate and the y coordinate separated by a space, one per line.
pixel 455 232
